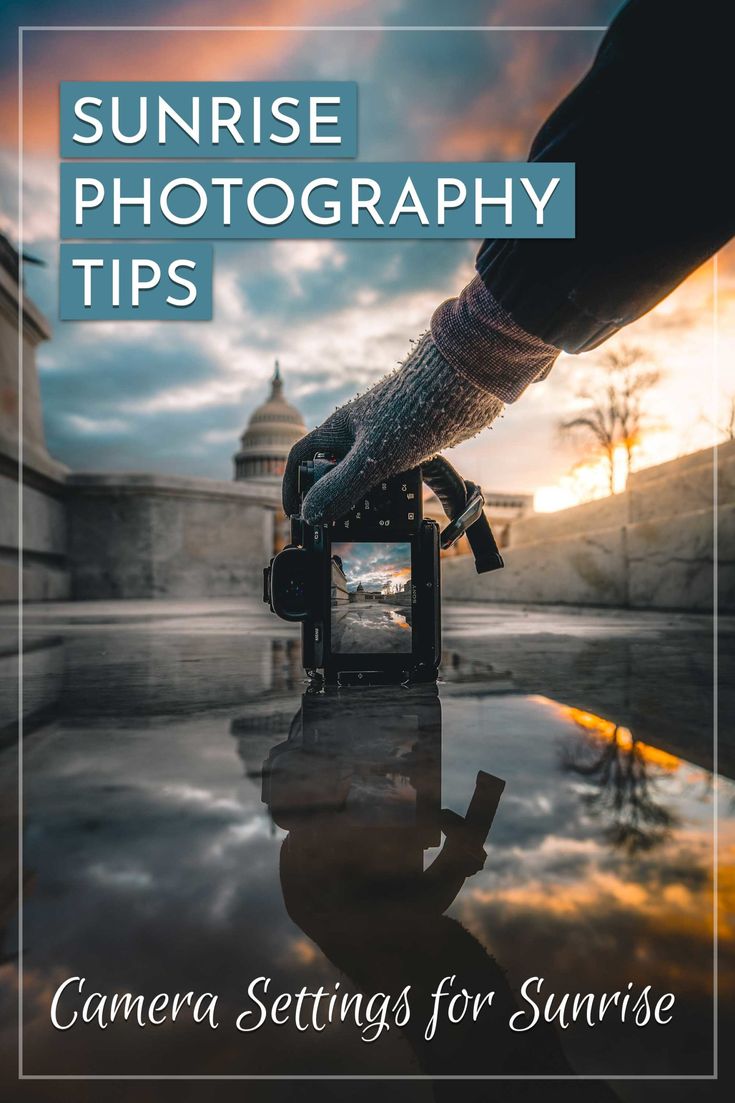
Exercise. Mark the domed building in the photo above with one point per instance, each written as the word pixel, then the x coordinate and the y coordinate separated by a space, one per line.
pixel 273 428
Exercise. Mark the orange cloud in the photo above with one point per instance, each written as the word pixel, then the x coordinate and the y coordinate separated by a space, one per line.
pixel 50 57
pixel 502 121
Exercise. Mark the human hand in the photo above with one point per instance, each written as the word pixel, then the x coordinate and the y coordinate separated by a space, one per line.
pixel 423 407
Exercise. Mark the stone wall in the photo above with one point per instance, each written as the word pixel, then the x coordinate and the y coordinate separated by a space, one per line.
pixel 649 547
pixel 45 572
pixel 146 536
pixel 110 536
pixel 45 566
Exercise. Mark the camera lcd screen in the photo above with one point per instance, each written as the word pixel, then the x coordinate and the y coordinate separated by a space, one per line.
pixel 371 598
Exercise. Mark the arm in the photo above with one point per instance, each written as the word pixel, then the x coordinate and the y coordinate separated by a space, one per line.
pixel 644 129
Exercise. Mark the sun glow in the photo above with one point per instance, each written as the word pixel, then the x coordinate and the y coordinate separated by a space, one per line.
pixel 590 479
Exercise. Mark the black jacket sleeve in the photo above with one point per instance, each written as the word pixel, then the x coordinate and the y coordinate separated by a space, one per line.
pixel 650 131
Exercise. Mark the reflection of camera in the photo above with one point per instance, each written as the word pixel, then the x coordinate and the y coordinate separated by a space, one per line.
pixel 370 763
pixel 365 762
pixel 366 586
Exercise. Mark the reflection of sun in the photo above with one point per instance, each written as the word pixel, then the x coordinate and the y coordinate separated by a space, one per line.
pixel 600 728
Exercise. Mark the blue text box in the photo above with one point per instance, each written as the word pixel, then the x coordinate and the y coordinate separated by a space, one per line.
pixel 152 302
pixel 201 204
pixel 179 95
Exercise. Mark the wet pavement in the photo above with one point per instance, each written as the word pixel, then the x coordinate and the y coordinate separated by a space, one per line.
pixel 369 628
pixel 194 820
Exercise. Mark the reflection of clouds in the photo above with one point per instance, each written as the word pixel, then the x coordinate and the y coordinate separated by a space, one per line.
pixel 302 951
pixel 190 794
pixel 174 880
pixel 604 920
pixel 122 877
pixel 239 834
pixel 552 882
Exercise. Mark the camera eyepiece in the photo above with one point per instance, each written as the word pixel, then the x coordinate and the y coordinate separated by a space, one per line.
pixel 289 584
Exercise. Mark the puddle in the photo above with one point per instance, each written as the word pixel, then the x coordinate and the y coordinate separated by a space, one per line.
pixel 195 821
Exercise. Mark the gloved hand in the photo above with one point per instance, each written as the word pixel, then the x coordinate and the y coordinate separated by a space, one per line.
pixel 452 384
pixel 411 414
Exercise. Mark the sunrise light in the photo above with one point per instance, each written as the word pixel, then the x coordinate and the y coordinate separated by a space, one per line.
pixel 600 728
pixel 589 480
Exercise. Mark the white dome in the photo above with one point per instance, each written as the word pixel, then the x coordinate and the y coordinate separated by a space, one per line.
pixel 273 428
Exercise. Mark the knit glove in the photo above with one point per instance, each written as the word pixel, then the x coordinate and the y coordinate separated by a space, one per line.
pixel 452 384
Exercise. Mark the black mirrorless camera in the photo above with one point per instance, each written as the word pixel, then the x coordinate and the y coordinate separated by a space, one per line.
pixel 366 587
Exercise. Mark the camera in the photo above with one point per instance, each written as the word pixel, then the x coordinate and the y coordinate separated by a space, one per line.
pixel 366 587
pixel 368 766
pixel 369 760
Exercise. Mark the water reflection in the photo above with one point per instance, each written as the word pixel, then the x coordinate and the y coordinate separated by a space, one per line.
pixel 621 773
pixel 153 864
pixel 357 785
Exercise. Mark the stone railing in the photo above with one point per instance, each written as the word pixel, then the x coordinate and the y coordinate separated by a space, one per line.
pixel 651 546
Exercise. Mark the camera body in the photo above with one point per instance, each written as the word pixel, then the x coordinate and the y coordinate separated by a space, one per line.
pixel 365 587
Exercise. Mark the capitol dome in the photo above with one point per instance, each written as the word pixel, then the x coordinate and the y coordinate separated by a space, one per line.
pixel 271 431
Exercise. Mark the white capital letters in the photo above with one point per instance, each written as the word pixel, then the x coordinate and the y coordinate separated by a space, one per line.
pixel 539 204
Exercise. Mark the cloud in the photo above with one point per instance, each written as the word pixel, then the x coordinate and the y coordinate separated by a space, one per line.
pixel 88 426
pixel 40 198
pixel 181 389
pixel 339 315
pixel 52 56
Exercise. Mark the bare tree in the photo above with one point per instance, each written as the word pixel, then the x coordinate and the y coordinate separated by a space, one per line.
pixel 600 423
pixel 633 382
pixel 615 415
pixel 726 424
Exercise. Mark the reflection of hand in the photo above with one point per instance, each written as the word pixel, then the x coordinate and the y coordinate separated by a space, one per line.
pixel 421 408
pixel 462 849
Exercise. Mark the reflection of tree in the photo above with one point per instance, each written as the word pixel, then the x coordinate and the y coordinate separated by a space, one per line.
pixel 623 796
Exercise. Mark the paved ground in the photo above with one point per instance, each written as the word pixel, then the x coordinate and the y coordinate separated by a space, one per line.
pixel 194 820
pixel 366 629
pixel 653 671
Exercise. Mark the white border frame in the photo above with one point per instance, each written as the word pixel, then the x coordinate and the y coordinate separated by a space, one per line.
pixel 715 384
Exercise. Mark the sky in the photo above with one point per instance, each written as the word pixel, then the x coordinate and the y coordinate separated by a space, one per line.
pixel 375 565
pixel 174 397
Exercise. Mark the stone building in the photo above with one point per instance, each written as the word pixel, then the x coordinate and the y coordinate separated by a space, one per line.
pixel 502 511
pixel 144 535
pixel 273 428
pixel 339 592
pixel 665 542
pixel 22 439
pixel 111 534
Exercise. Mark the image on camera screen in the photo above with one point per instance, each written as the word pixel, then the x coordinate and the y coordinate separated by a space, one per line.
pixel 371 598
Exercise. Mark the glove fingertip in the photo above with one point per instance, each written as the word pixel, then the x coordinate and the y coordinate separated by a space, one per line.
pixel 324 503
